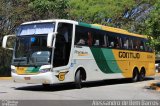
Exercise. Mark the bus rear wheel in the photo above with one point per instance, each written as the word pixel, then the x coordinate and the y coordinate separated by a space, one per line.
pixel 135 76
pixel 78 80
pixel 142 75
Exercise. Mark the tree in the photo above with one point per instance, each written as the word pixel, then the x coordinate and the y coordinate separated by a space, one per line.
pixel 152 26
pixel 137 16
pixel 12 13
pixel 15 12
pixel 96 11
pixel 45 9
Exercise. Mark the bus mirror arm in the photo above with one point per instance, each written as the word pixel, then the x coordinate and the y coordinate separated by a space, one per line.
pixel 51 40
pixel 54 41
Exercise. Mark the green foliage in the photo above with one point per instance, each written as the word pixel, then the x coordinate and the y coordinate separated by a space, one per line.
pixel 11 14
pixel 44 9
pixel 95 11
pixel 15 12
pixel 152 26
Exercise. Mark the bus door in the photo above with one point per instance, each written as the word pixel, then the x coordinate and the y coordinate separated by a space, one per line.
pixel 63 45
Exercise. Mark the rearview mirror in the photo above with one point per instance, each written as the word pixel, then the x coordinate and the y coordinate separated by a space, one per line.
pixel 51 39
pixel 8 41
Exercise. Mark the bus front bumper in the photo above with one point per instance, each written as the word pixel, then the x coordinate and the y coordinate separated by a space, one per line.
pixel 41 78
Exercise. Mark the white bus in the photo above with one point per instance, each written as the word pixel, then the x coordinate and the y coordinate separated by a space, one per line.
pixel 60 51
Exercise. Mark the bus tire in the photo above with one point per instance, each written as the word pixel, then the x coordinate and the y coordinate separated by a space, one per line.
pixel 142 75
pixel 135 76
pixel 78 80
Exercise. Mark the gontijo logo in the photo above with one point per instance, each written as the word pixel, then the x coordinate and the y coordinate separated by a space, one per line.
pixel 61 75
pixel 129 55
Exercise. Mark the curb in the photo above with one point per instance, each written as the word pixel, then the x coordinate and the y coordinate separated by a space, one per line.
pixel 155 86
pixel 157 74
pixel 5 78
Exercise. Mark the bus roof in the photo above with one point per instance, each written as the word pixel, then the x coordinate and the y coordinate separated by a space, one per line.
pixel 95 26
pixel 111 29
pixel 50 20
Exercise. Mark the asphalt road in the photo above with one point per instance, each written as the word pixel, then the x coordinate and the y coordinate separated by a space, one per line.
pixel 120 89
pixel 92 94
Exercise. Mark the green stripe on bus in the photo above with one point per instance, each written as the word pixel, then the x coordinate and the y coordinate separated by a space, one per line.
pixel 100 60
pixel 89 25
pixel 105 60
pixel 84 24
pixel 32 70
pixel 111 61
pixel 96 27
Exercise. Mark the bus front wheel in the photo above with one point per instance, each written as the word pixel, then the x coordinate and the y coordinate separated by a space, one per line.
pixel 78 80
pixel 46 85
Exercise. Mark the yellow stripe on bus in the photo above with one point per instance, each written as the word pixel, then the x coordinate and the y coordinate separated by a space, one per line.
pixel 128 60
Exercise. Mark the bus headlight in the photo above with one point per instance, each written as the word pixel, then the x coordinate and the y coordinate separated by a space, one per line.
pixel 13 70
pixel 44 70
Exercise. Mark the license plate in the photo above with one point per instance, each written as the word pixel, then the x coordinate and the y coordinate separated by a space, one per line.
pixel 27 78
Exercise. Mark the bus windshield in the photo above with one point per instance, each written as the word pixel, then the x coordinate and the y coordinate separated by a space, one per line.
pixel 31 44
pixel 32 50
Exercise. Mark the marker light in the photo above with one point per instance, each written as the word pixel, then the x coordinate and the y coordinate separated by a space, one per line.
pixel 44 70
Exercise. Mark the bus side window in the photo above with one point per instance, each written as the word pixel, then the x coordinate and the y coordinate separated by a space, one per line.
pixel 125 43
pixel 135 44
pixel 81 41
pixel 139 44
pixel 90 39
pixel 150 49
pixel 105 39
pixel 80 36
pixel 96 42
pixel 142 46
pixel 147 47
pixel 114 41
pixel 111 43
pixel 99 39
pixel 130 44
pixel 118 42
